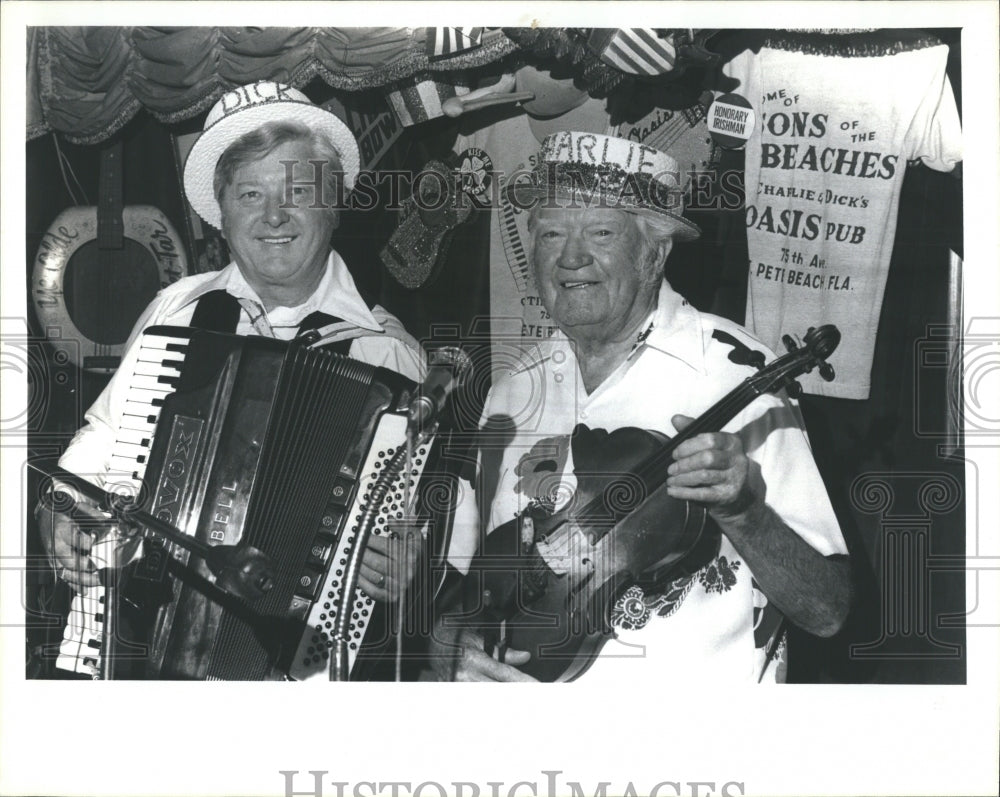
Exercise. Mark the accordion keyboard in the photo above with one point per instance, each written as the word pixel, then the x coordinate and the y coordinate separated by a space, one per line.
pixel 80 649
pixel 154 377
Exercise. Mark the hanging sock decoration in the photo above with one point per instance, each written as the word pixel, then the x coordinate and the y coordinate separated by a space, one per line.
pixel 633 55
pixel 429 218
pixel 824 170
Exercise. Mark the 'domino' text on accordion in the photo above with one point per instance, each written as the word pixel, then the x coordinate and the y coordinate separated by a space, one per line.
pixel 254 441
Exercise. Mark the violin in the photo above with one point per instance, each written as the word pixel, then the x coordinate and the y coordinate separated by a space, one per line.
pixel 545 582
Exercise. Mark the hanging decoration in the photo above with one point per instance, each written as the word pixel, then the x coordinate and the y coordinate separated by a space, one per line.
pixel 87 82
pixel 152 258
pixel 445 42
pixel 422 98
pixel 428 219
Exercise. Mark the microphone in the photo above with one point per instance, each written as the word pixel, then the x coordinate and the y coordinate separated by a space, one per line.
pixel 449 367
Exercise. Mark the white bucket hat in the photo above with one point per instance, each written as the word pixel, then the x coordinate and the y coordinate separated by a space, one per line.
pixel 245 109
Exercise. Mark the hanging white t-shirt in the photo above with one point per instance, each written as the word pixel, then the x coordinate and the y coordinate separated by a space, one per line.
pixel 824 170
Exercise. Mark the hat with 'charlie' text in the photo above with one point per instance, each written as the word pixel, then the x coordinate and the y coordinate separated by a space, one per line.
pixel 590 170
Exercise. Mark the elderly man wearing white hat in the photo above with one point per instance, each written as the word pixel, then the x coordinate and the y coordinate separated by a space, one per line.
pixel 632 355
pixel 285 279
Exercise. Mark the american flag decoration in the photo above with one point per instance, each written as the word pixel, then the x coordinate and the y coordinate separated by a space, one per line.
pixel 442 42
pixel 420 99
pixel 636 51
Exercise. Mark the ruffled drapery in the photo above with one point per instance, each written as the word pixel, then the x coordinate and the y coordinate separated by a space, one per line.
pixel 87 82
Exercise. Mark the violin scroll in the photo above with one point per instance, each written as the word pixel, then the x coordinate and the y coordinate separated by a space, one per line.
pixel 822 342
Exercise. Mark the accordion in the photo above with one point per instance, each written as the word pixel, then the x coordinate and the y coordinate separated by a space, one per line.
pixel 256 441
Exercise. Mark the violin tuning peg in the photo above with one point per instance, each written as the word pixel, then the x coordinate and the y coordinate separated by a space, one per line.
pixel 794 389
pixel 789 342
pixel 826 372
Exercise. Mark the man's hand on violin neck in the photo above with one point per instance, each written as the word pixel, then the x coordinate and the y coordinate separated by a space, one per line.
pixel 713 469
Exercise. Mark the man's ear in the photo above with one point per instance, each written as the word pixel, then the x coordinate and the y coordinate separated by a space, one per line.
pixel 664 247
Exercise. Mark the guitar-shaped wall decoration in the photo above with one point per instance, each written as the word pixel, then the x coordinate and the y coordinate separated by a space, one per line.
pixel 98 267
pixel 683 134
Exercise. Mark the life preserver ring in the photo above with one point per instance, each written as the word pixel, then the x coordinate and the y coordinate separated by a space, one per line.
pixel 71 230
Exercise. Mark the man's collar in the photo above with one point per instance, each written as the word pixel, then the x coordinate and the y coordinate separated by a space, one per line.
pixel 677 329
pixel 336 295
pixel 674 328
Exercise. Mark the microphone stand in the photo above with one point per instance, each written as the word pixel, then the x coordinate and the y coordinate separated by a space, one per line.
pixel 240 570
pixel 340 662
pixel 448 368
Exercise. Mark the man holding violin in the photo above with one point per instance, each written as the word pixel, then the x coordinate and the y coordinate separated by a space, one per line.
pixel 632 355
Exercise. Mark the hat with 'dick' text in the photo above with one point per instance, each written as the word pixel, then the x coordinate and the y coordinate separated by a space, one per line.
pixel 590 170
pixel 245 109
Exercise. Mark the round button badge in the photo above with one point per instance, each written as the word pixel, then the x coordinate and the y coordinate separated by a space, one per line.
pixel 731 120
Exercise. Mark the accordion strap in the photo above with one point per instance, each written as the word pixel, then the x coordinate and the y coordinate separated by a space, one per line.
pixel 216 311
pixel 219 311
